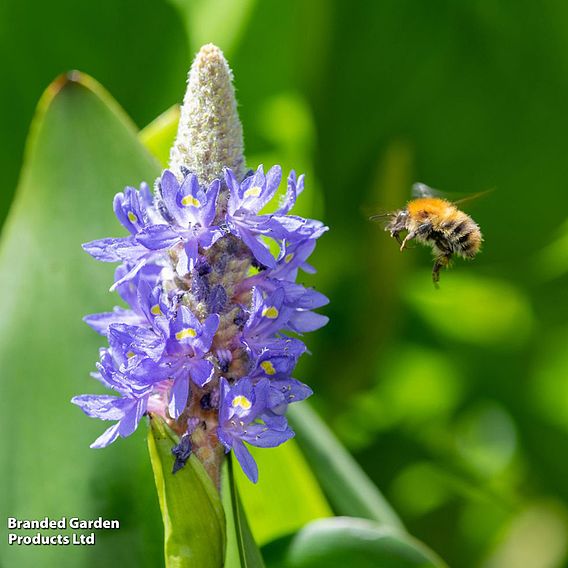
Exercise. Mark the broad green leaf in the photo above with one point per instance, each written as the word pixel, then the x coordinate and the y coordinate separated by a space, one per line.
pixel 194 522
pixel 287 494
pixel 346 541
pixel 242 551
pixel 82 150
pixel 346 485
pixel 159 135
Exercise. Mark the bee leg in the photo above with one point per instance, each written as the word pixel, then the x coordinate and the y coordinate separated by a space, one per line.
pixel 408 237
pixel 441 261
pixel 396 235
pixel 421 231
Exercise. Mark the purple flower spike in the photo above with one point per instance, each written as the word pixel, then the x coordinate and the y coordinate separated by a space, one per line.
pixel 208 269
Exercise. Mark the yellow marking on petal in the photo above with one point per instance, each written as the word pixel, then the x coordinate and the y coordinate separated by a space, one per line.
pixel 130 354
pixel 253 191
pixel 270 312
pixel 268 367
pixel 185 333
pixel 190 200
pixel 155 310
pixel 242 402
pixel 288 258
pixel 132 218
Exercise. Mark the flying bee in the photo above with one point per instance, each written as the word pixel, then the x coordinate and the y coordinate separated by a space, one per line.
pixel 437 223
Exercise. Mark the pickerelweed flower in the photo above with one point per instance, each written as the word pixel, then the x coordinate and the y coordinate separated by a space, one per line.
pixel 210 339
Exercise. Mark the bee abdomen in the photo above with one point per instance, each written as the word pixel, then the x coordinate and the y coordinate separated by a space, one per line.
pixel 460 228
pixel 454 228
pixel 462 235
pixel 469 242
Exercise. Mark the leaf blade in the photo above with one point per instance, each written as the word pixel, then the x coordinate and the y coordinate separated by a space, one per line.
pixel 82 149
pixel 242 551
pixel 346 541
pixel 287 494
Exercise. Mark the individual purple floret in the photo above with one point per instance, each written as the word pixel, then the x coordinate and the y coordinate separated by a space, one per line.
pixel 188 211
pixel 245 416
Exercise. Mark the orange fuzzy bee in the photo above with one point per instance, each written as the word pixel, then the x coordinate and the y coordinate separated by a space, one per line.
pixel 437 223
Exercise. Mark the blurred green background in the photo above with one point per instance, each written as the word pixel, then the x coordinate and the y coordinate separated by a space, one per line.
pixel 455 401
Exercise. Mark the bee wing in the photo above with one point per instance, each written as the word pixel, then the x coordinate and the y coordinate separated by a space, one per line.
pixel 423 190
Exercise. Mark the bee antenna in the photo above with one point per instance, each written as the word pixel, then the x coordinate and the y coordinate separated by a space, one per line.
pixel 380 216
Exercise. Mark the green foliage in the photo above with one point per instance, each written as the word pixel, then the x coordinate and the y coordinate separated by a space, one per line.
pixel 344 541
pixel 81 150
pixel 347 486
pixel 287 495
pixel 242 550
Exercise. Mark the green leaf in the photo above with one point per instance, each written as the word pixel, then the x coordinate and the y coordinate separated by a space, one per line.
pixel 287 494
pixel 347 486
pixel 345 541
pixel 242 551
pixel 194 522
pixel 82 150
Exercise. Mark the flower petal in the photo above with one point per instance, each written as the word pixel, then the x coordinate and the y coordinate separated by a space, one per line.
pixel 264 437
pixel 100 322
pixel 169 187
pixel 246 460
pixel 201 371
pixel 260 251
pixel 158 237
pixel 103 406
pixel 305 321
pixel 108 437
pixel 114 250
pixel 178 396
